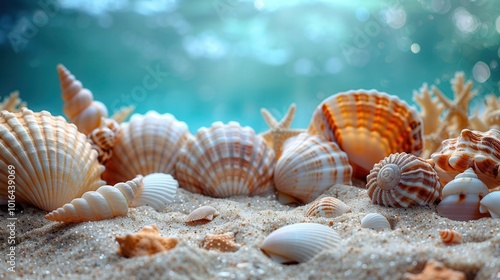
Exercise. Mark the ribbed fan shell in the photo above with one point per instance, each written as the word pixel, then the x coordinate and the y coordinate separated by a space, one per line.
pixel 226 160
pixel 328 207
pixel 368 125
pixel 53 162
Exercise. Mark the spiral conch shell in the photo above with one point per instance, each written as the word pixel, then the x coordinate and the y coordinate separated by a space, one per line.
pixel 368 125
pixel 103 139
pixel 475 149
pixel 308 166
pixel 402 180
pixel 51 160
pixel 300 242
pixel 146 144
pixel 226 160
pixel 112 201
pixel 79 104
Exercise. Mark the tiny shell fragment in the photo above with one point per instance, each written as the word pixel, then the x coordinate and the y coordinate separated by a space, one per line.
pixel 202 213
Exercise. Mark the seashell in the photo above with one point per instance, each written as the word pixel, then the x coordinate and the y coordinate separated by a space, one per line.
pixel 147 144
pixel 222 242
pixel 461 197
pixel 375 221
pixel 402 180
pixel 475 149
pixel 49 161
pixel 491 203
pixel 79 104
pixel 328 207
pixel 308 166
pixel 450 236
pixel 368 125
pixel 145 242
pixel 202 213
pixel 112 201
pixel 226 160
pixel 103 139
pixel 299 243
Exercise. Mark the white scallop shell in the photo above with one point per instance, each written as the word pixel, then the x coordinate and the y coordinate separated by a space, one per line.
pixel 226 160
pixel 202 213
pixel 52 163
pixel 466 182
pixel 491 203
pixel 308 166
pixel 147 144
pixel 375 221
pixel 299 242
pixel 328 207
pixel 111 201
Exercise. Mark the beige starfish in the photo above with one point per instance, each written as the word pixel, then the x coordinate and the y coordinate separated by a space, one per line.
pixel 223 242
pixel 279 132
pixel 435 270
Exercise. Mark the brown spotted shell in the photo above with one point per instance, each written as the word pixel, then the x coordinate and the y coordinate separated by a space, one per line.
pixel 327 207
pixel 475 149
pixel 368 125
pixel 402 180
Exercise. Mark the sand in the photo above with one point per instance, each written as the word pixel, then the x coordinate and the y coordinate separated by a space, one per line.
pixel 49 250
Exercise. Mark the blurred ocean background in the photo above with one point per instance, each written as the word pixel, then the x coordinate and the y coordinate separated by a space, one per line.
pixel 223 60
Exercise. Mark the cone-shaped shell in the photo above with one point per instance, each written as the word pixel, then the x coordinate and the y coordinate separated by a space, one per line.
pixel 308 166
pixel 375 221
pixel 368 125
pixel 491 203
pixel 402 180
pixel 147 144
pixel 450 236
pixel 300 242
pixel 226 160
pixel 475 149
pixel 48 160
pixel 466 182
pixel 79 104
pixel 327 207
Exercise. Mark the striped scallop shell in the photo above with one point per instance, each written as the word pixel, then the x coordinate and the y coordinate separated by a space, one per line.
pixel 368 125
pixel 202 213
pixel 375 221
pixel 300 242
pixel 328 207
pixel 402 180
pixel 79 104
pixel 48 161
pixel 155 190
pixel 449 236
pixel 479 150
pixel 226 160
pixel 308 166
pixel 147 144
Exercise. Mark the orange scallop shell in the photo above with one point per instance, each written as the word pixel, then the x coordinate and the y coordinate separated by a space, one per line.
pixel 368 125
pixel 475 149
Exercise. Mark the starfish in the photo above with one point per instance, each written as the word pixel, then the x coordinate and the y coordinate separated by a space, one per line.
pixel 279 132
pixel 223 242
pixel 435 270
pixel 146 242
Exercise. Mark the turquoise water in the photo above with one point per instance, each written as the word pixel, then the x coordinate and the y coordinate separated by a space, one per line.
pixel 205 61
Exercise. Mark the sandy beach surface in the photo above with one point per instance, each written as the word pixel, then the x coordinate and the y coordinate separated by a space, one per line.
pixel 49 250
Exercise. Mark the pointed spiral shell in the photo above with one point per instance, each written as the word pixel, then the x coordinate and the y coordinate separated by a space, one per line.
pixel 79 104
pixel 401 180
pixel 449 236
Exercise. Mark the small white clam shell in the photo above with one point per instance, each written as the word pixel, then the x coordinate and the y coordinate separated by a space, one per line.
pixel 466 182
pixel 328 207
pixel 202 213
pixel 375 221
pixel 299 242
pixel 158 191
pixel 491 203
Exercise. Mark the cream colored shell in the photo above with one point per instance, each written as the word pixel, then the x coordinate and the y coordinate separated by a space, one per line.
pixel 368 125
pixel 308 166
pixel 155 190
pixel 375 221
pixel 300 242
pixel 471 149
pixel 202 213
pixel 226 160
pixel 402 180
pixel 327 207
pixel 49 161
pixel 491 204
pixel 79 104
pixel 147 144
